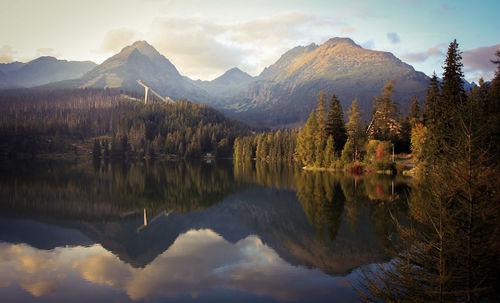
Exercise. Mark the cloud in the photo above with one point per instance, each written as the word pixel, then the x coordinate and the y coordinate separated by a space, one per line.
pixel 423 56
pixel 477 62
pixel 347 29
pixel 47 52
pixel 480 58
pixel 116 39
pixel 7 54
pixel 205 48
pixel 393 37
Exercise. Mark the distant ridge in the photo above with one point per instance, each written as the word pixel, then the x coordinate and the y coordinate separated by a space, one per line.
pixel 41 71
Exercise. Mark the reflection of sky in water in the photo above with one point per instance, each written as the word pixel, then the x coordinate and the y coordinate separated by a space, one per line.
pixel 199 265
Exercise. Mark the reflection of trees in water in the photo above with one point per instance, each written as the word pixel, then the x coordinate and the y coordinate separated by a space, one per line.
pixel 325 196
pixel 117 189
pixel 323 201
pixel 275 174
pixel 114 189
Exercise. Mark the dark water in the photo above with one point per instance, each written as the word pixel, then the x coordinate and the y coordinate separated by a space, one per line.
pixel 182 232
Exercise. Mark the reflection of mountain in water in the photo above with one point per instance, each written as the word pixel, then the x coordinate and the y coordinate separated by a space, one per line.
pixel 330 223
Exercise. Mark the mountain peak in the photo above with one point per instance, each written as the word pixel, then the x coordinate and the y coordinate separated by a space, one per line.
pixel 233 75
pixel 341 40
pixel 141 46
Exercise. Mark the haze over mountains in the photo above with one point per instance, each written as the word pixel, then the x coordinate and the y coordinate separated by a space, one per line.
pixel 41 71
pixel 282 95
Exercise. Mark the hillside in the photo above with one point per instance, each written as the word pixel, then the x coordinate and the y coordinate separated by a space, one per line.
pixel 286 92
pixel 68 121
pixel 141 61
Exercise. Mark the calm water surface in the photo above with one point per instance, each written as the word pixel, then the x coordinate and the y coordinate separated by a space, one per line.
pixel 182 232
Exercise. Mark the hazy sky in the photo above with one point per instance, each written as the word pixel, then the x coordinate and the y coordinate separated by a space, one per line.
pixel 204 38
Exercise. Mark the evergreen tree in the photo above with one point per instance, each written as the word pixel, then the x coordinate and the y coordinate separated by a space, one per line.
pixel 335 125
pixel 453 78
pixel 320 138
pixel 415 114
pixel 321 118
pixel 384 123
pixel 355 130
pixel 306 147
pixel 431 110
pixel 329 159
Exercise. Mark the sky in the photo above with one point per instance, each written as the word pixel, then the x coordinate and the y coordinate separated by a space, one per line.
pixel 205 38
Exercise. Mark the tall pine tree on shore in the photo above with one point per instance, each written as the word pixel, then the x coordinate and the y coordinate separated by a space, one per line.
pixel 356 135
pixel 320 138
pixel 385 114
pixel 335 125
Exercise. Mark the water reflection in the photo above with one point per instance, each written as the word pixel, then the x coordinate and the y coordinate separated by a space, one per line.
pixel 191 230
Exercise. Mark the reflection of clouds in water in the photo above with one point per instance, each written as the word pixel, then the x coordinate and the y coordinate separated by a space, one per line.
pixel 201 260
pixel 103 268
pixel 33 269
pixel 39 287
pixel 28 259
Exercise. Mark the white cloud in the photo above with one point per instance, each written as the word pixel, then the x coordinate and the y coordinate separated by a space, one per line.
pixel 47 52
pixel 7 54
pixel 423 56
pixel 203 48
pixel 116 39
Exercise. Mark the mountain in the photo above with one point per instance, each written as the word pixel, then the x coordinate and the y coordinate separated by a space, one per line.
pixel 286 92
pixel 41 71
pixel 8 67
pixel 141 61
pixel 232 82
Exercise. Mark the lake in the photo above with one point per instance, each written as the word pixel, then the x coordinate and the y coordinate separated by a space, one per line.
pixel 190 231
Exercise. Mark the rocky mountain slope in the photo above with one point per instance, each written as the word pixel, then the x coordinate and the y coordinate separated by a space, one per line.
pixel 286 92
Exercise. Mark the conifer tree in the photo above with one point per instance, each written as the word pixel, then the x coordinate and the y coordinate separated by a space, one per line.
pixel 306 147
pixel 431 113
pixel 385 114
pixel 355 130
pixel 415 114
pixel 320 138
pixel 335 125
pixel 329 158
pixel 453 78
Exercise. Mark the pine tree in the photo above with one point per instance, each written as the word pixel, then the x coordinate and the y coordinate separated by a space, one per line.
pixel 355 130
pixel 335 125
pixel 329 159
pixel 453 78
pixel 385 114
pixel 306 147
pixel 320 137
pixel 415 114
pixel 431 113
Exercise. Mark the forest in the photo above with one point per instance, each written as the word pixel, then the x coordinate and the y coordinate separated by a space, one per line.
pixel 111 124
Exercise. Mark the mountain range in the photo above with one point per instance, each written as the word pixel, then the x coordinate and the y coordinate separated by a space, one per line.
pixel 41 71
pixel 282 95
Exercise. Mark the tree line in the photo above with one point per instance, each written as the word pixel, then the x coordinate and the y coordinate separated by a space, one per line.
pixel 111 124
